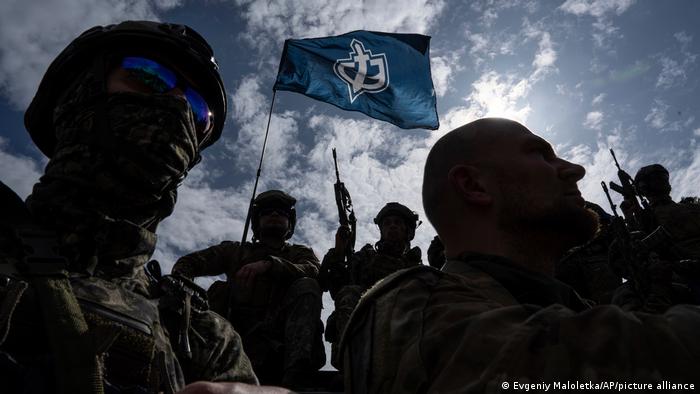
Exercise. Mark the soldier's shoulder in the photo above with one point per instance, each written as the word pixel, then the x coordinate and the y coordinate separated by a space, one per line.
pixel 300 248
pixel 421 275
pixel 693 201
pixel 401 292
pixel 224 246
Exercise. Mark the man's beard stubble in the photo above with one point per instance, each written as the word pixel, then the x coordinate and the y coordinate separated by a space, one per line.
pixel 565 225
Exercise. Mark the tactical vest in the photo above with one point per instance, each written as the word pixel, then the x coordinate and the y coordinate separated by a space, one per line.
pixel 368 266
pixel 63 332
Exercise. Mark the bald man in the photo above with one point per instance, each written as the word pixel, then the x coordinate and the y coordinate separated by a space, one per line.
pixel 506 208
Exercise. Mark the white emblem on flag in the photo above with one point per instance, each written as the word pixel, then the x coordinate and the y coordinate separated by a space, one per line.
pixel 355 69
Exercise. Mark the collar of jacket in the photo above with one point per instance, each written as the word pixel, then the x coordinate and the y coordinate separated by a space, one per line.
pixel 528 287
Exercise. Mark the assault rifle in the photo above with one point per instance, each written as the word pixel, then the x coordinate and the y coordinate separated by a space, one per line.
pixel 637 214
pixel 333 276
pixel 179 295
pixel 346 213
pixel 631 254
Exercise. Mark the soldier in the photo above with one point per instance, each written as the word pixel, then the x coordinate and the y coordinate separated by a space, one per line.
pixel 506 208
pixel 393 252
pixel 123 114
pixel 682 221
pixel 271 295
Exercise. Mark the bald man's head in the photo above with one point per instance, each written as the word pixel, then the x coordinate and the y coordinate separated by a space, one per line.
pixel 467 144
pixel 496 174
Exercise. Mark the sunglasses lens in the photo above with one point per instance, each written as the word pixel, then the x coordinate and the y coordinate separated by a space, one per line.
pixel 200 109
pixel 161 79
pixel 151 73
pixel 270 211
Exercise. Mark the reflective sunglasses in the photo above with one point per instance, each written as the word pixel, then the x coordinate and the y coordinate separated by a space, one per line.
pixel 161 80
pixel 280 211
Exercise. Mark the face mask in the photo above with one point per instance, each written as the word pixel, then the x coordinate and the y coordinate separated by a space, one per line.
pixel 126 163
pixel 116 170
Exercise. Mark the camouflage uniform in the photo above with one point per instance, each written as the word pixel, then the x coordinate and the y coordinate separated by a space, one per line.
pixel 586 269
pixel 367 267
pixel 77 312
pixel 483 321
pixel 682 221
pixel 279 318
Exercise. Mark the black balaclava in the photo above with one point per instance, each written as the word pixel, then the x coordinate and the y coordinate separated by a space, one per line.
pixel 113 175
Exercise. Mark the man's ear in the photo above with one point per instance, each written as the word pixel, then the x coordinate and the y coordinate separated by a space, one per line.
pixel 467 183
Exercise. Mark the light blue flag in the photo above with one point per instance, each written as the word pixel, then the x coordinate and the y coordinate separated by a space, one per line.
pixel 384 75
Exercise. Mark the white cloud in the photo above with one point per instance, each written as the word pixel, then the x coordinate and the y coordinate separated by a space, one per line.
pixel 203 216
pixel 658 118
pixel 674 71
pixel 277 20
pixel 696 132
pixel 485 47
pixel 603 11
pixel 32 33
pixel 596 8
pixel 18 172
pixel 671 74
pixel 443 69
pixel 657 115
pixel 251 111
pixel 546 55
pixel 593 120
pixel 501 96
pixel 599 163
pixel 683 37
pixel 686 180
pixel 598 99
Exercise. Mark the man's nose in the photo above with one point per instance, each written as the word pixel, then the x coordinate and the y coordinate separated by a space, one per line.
pixel 571 171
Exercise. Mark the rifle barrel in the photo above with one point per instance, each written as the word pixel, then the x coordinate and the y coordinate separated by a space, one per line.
pixel 335 162
pixel 612 152
pixel 607 194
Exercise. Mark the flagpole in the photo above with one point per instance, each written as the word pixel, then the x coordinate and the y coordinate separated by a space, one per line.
pixel 257 176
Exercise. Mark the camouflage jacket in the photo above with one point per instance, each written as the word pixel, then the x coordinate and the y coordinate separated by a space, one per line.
pixel 482 322
pixel 682 221
pixel 368 266
pixel 289 263
pixel 81 327
pixel 586 269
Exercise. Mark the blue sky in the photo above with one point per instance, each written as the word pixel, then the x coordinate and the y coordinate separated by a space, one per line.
pixel 584 74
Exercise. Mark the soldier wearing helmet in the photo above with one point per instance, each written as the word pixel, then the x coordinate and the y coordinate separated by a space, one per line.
pixel 397 226
pixel 652 182
pixel 682 221
pixel 122 113
pixel 271 294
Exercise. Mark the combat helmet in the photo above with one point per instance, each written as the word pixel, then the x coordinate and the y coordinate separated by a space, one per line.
pixel 193 54
pixel 274 199
pixel 646 171
pixel 647 179
pixel 394 208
